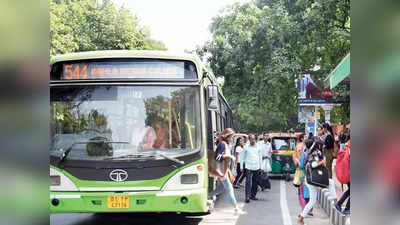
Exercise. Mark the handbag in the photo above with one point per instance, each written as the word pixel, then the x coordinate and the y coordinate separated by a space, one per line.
pixel 230 175
pixel 214 167
pixel 297 177
pixel 268 167
pixel 217 168
pixel 317 176
pixel 262 179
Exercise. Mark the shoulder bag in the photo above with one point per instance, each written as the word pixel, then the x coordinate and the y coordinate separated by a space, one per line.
pixel 318 176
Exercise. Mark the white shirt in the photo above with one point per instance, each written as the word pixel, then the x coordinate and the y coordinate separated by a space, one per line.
pixel 265 150
pixel 239 150
pixel 252 157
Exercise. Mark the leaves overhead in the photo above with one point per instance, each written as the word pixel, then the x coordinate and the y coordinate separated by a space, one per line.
pixel 261 46
pixel 86 25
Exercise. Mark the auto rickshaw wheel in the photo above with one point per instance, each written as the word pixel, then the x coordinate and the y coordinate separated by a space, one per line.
pixel 287 177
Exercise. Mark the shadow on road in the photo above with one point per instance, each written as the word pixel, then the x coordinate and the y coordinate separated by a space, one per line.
pixel 138 219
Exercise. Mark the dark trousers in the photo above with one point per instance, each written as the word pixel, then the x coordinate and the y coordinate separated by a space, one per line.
pixel 251 183
pixel 240 174
pixel 329 160
pixel 345 195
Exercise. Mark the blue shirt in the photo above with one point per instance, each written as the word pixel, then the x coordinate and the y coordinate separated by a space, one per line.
pixel 302 163
pixel 220 151
pixel 252 157
pixel 303 167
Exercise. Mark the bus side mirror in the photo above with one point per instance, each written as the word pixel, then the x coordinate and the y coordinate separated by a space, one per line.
pixel 213 104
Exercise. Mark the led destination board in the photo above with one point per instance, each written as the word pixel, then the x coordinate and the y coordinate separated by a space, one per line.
pixel 136 69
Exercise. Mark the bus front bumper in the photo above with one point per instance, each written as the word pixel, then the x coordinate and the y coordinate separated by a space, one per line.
pixel 188 201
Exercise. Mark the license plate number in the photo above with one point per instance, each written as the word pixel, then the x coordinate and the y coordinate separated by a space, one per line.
pixel 118 202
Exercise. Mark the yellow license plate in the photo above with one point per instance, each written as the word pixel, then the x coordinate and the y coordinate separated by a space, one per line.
pixel 118 202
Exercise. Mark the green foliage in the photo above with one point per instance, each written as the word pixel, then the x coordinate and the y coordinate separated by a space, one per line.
pixel 260 47
pixel 67 118
pixel 85 25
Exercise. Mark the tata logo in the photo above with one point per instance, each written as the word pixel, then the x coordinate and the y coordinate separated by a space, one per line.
pixel 118 175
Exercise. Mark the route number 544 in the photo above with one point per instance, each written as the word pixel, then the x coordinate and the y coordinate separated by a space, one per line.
pixel 75 72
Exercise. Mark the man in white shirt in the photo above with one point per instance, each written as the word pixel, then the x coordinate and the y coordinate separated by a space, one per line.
pixel 266 152
pixel 252 159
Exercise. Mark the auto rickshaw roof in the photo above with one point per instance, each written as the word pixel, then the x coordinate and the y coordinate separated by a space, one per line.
pixel 241 134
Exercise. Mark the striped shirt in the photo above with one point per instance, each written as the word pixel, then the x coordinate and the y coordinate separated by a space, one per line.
pixel 252 157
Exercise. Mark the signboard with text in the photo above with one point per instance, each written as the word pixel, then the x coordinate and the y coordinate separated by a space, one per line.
pixel 124 69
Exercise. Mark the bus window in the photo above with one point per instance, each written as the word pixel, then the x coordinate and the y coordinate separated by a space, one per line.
pixel 141 118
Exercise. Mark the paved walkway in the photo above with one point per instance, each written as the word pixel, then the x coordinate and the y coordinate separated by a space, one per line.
pixel 279 206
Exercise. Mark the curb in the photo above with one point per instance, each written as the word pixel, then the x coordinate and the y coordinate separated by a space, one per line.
pixel 326 203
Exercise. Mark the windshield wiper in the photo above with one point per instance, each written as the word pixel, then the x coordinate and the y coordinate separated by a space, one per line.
pixel 170 158
pixel 68 150
pixel 153 154
pixel 139 155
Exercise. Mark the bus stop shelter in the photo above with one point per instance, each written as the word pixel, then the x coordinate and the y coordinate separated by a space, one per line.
pixel 340 73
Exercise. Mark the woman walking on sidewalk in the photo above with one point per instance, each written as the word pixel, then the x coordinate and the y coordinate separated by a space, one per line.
pixel 305 194
pixel 329 147
pixel 223 155
pixel 343 175
pixel 240 170
pixel 314 159
pixel 300 147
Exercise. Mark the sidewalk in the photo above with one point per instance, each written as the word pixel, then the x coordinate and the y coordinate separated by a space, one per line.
pixel 335 217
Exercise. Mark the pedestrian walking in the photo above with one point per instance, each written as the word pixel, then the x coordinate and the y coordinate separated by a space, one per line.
pixel 252 158
pixel 297 156
pixel 315 158
pixel 266 153
pixel 329 147
pixel 343 174
pixel 240 170
pixel 223 155
pixel 305 193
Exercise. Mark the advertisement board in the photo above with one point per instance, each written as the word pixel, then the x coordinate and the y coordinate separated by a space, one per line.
pixel 311 90
pixel 306 114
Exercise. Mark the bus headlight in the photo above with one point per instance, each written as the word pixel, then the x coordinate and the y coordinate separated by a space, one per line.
pixel 191 177
pixel 55 180
pixel 60 182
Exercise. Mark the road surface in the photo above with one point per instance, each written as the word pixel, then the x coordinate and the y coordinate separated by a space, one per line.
pixel 278 206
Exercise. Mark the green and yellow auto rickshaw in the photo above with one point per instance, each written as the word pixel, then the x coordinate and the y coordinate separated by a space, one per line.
pixel 283 146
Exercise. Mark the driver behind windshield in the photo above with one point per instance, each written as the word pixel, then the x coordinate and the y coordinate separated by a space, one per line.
pixel 157 136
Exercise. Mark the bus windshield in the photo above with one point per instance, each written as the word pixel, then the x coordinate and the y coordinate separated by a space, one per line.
pixel 283 143
pixel 110 122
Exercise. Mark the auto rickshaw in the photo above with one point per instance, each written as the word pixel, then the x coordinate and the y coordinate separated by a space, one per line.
pixel 283 146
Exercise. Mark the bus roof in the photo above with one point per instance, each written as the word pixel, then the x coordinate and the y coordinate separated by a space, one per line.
pixel 137 54
pixel 125 54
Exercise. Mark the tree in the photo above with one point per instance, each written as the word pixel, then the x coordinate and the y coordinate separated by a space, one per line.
pixel 260 47
pixel 85 25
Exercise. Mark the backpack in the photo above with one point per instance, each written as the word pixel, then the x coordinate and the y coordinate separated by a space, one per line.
pixel 342 168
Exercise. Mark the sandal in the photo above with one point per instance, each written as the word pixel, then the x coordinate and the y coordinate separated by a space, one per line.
pixel 300 220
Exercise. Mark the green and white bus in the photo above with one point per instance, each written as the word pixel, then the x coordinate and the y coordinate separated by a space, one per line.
pixel 130 131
